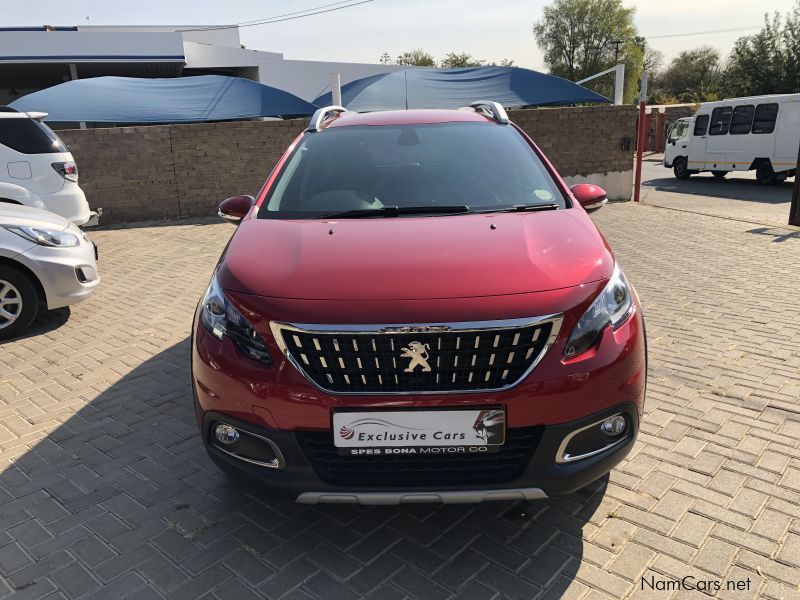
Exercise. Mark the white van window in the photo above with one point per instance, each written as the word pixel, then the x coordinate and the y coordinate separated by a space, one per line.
pixel 764 120
pixel 720 120
pixel 701 125
pixel 742 118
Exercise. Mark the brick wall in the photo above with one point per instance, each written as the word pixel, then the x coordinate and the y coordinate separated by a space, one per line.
pixel 168 171
pixel 582 141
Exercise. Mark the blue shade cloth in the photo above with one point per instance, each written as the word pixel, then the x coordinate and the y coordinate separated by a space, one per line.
pixel 168 100
pixel 454 88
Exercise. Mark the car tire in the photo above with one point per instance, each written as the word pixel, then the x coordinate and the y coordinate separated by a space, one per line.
pixel 765 175
pixel 719 174
pixel 681 168
pixel 19 301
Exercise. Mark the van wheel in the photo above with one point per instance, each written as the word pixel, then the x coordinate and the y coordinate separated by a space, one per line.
pixel 719 174
pixel 681 168
pixel 765 175
pixel 19 302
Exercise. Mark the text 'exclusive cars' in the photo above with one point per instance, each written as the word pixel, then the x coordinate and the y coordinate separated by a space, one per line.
pixel 416 308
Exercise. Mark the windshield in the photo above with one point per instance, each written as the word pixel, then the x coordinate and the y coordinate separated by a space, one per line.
pixel 679 129
pixel 482 166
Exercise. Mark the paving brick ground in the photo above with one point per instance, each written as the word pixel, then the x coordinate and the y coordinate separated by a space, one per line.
pixel 739 196
pixel 106 493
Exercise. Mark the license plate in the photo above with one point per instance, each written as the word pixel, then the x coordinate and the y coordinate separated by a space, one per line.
pixel 420 432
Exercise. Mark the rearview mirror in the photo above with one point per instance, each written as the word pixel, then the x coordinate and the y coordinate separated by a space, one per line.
pixel 235 208
pixel 589 196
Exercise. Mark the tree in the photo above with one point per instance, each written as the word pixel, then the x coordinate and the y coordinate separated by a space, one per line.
pixel 759 64
pixel 417 58
pixel 460 59
pixel 504 62
pixel 579 38
pixel 386 59
pixel 692 76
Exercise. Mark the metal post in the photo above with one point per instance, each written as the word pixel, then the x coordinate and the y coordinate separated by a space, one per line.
pixel 640 139
pixel 794 209
pixel 336 89
pixel 660 118
pixel 73 75
pixel 619 83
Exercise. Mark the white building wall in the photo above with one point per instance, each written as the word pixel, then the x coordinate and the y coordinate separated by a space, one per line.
pixel 191 33
pixel 70 46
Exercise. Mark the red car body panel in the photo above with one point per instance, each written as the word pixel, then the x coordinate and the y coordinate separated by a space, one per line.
pixel 554 392
pixel 416 258
pixel 412 270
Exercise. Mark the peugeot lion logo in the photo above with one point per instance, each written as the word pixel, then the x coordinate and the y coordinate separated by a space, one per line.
pixel 418 353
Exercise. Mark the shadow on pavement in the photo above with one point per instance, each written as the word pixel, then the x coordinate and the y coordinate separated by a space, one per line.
pixel 121 498
pixel 731 187
pixel 46 321
pixel 778 234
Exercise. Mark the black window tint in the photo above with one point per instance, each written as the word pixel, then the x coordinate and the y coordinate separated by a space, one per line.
pixel 742 118
pixel 481 165
pixel 29 137
pixel 764 121
pixel 701 125
pixel 720 120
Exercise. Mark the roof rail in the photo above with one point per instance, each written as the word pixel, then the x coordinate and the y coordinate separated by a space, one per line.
pixel 494 110
pixel 322 114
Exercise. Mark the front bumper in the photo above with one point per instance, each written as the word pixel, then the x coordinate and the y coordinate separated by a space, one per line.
pixel 67 275
pixel 299 475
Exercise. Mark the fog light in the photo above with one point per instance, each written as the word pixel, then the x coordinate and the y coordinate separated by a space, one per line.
pixel 613 425
pixel 226 434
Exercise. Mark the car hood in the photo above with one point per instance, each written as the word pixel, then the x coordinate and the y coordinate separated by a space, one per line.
pixel 404 258
pixel 16 214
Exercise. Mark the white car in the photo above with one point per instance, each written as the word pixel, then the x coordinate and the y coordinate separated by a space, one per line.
pixel 46 261
pixel 35 160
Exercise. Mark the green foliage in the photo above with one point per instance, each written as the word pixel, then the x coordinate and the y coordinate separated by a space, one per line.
pixel 758 63
pixel 460 59
pixel 452 60
pixel 575 37
pixel 692 76
pixel 417 58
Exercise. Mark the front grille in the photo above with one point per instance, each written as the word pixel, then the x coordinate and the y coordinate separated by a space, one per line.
pixel 418 359
pixel 399 470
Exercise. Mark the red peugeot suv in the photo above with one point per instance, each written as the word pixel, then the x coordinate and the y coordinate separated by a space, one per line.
pixel 416 308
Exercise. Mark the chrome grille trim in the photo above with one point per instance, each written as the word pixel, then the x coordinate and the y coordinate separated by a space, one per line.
pixel 279 328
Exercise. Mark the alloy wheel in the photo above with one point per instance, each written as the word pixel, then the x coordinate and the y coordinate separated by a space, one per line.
pixel 10 304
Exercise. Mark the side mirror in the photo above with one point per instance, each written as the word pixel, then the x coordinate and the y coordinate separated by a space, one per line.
pixel 235 208
pixel 589 196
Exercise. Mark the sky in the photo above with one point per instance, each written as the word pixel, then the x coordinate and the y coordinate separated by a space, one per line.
pixel 487 30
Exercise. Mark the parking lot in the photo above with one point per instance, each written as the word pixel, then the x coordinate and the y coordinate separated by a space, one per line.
pixel 105 491
pixel 738 196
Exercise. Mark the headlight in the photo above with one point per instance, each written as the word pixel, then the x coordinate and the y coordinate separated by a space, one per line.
pixel 221 318
pixel 44 236
pixel 611 307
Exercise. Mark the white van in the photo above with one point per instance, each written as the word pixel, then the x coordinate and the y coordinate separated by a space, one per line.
pixel 38 170
pixel 738 134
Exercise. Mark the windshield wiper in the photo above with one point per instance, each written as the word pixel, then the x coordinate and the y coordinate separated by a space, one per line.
pixel 524 208
pixel 394 211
